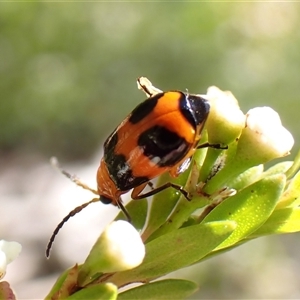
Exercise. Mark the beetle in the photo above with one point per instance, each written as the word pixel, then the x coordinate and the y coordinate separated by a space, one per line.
pixel 160 135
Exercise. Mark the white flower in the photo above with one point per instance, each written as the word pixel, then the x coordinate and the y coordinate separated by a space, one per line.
pixel 264 137
pixel 225 121
pixel 118 248
pixel 8 252
pixel 123 245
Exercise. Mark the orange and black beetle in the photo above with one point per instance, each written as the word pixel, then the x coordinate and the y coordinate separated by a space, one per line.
pixel 160 135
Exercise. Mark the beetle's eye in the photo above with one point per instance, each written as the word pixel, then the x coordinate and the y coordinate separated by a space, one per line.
pixel 105 200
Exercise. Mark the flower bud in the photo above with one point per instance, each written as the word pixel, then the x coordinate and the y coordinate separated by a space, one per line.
pixel 118 248
pixel 224 124
pixel 264 138
pixel 225 121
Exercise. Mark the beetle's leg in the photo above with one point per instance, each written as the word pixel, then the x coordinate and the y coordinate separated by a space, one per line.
pixel 136 193
pixel 74 178
pixel 215 146
pixel 151 185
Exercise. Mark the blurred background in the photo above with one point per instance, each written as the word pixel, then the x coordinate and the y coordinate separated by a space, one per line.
pixel 68 77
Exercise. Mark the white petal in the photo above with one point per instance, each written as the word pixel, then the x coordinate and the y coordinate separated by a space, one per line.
pixel 11 250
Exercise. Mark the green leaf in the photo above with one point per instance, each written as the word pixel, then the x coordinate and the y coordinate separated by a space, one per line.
pixel 246 178
pixel 249 208
pixel 64 285
pixel 106 291
pixel 137 209
pixel 281 167
pixel 163 289
pixel 176 250
pixel 285 220
pixel 184 208
pixel 292 193
pixel 294 167
pixel 6 293
pixel 163 203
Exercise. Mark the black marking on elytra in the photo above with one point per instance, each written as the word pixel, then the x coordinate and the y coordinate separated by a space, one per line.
pixel 198 107
pixel 121 173
pixel 110 144
pixel 164 147
pixel 144 109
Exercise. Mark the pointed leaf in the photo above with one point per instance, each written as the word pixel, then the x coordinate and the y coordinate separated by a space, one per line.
pixel 285 220
pixel 249 208
pixel 292 193
pixel 163 289
pixel 295 167
pixel 248 177
pixel 279 168
pixel 64 285
pixel 176 250
pixel 106 291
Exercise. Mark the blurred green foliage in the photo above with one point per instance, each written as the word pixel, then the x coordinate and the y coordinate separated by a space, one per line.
pixel 68 70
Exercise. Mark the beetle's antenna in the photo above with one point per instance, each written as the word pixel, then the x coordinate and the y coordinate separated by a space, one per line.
pixel 54 162
pixel 65 219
